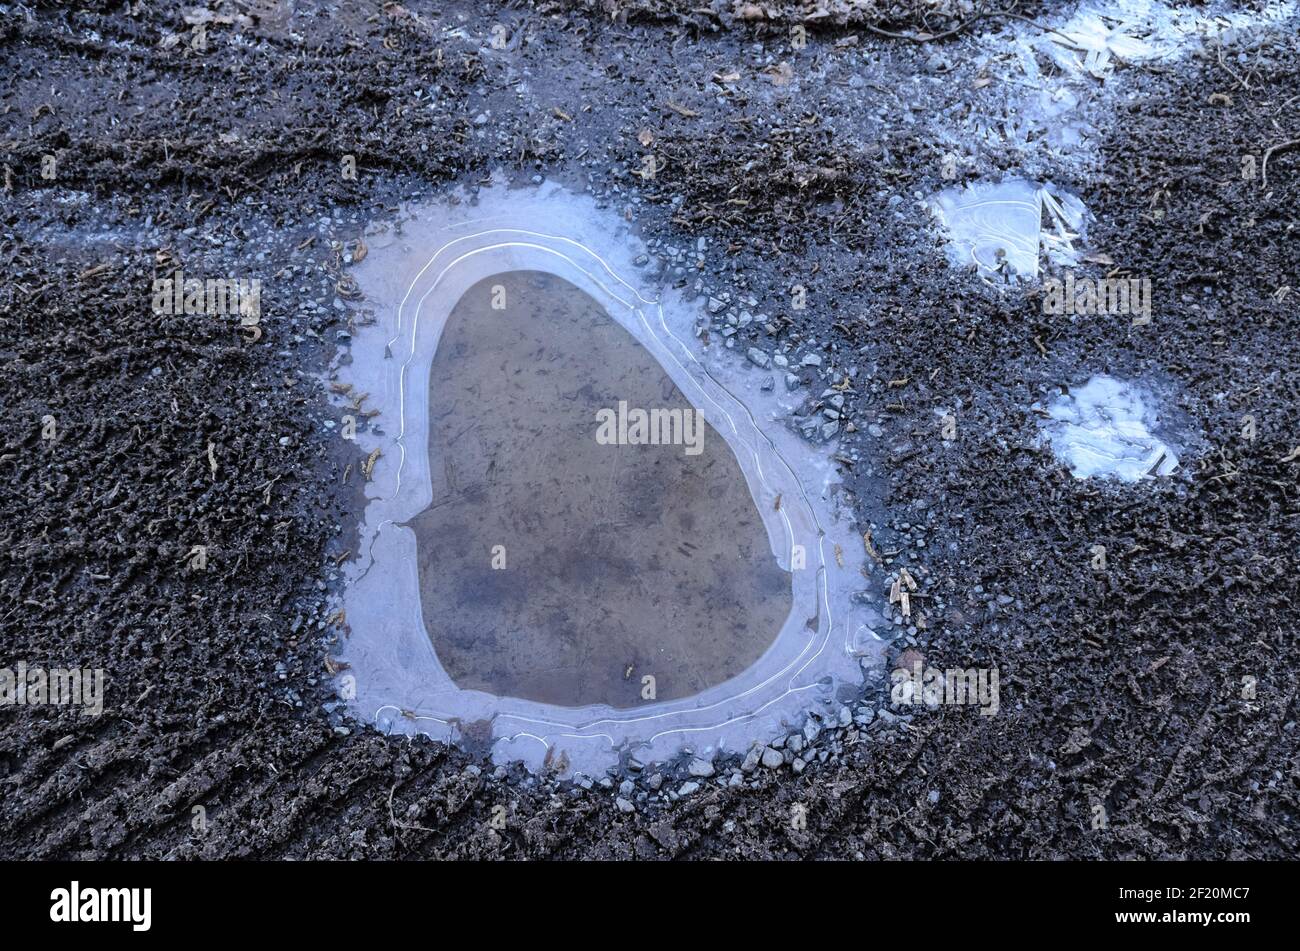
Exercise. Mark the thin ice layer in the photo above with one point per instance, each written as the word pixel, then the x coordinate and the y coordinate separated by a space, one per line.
pixel 1106 428
pixel 395 679
pixel 999 227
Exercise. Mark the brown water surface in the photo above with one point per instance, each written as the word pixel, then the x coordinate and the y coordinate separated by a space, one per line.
pixel 620 561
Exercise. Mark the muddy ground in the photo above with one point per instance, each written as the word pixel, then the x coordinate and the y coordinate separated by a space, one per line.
pixel 1121 688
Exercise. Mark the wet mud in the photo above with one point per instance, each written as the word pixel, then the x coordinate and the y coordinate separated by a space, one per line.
pixel 1147 707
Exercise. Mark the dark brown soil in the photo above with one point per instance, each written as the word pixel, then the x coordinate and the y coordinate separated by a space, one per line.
pixel 1121 688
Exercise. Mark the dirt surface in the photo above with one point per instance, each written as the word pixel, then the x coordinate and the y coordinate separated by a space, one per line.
pixel 1121 688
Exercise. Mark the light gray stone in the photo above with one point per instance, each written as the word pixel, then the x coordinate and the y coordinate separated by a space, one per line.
pixel 700 767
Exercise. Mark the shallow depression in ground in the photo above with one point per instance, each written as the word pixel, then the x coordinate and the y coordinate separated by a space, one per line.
pixel 559 566
pixel 586 531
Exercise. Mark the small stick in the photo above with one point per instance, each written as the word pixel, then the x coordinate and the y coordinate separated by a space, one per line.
pixel 1263 166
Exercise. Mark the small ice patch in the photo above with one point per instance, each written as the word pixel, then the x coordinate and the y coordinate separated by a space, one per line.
pixel 1105 428
pixel 1047 88
pixel 1098 34
pixel 1000 226
pixel 1091 42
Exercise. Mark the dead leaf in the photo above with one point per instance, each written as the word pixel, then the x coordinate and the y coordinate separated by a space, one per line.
pixel 347 288
pixel 780 74
pixel 871 549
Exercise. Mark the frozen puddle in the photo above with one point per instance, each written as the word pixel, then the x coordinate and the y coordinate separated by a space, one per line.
pixel 582 536
pixel 1000 228
pixel 1107 428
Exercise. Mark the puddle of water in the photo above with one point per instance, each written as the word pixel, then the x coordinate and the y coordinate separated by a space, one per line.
pixel 725 575
pixel 999 227
pixel 1107 428
pixel 559 562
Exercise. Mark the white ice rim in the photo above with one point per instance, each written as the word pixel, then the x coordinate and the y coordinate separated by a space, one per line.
pixel 546 723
